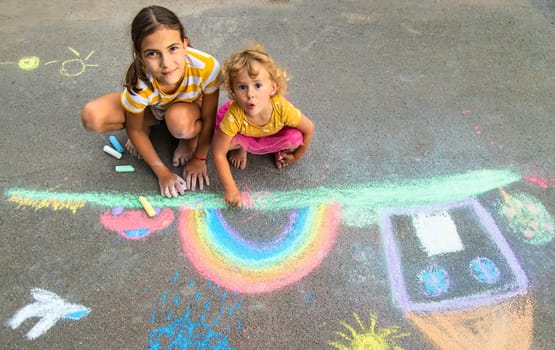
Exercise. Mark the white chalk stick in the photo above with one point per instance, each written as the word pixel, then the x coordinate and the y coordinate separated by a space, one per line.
pixel 112 152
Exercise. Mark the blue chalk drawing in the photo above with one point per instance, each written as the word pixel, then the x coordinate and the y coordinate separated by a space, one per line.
pixel 435 281
pixel 184 333
pixel 138 233
pixel 485 270
pixel 203 323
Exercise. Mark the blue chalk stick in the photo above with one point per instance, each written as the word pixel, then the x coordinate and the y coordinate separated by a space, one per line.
pixel 114 141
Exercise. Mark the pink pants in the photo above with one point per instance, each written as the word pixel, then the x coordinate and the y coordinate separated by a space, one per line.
pixel 286 139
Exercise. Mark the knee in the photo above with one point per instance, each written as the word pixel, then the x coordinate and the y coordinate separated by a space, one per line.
pixel 183 120
pixel 186 130
pixel 90 120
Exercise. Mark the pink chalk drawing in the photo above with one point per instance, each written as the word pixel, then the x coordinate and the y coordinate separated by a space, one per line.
pixel 478 131
pixel 135 224
pixel 537 176
pixel 249 200
pixel 540 181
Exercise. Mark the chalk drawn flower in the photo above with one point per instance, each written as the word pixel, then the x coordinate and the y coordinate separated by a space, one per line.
pixel 527 218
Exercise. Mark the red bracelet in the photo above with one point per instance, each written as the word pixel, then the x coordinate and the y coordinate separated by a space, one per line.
pixel 200 158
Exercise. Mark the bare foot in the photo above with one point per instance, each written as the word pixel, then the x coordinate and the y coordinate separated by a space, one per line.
pixel 280 160
pixel 238 158
pixel 184 151
pixel 131 149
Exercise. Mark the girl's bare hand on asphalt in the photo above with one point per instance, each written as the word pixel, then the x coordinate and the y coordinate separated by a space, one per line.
pixel 172 186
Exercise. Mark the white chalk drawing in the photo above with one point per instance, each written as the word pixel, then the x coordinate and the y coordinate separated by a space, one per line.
pixel 437 233
pixel 50 308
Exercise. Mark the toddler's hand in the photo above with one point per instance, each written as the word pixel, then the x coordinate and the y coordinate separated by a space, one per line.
pixel 233 198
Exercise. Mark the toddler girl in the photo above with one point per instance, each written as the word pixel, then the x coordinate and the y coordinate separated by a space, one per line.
pixel 258 119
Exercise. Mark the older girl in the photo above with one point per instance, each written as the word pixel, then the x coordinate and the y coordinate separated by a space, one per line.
pixel 167 81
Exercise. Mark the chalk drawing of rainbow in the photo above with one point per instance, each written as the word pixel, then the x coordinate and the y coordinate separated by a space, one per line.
pixel 221 255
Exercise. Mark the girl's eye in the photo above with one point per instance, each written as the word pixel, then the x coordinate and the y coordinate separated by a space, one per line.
pixel 151 54
pixel 174 48
pixel 258 85
pixel 241 87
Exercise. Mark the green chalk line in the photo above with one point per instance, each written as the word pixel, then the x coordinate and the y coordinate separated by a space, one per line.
pixel 357 197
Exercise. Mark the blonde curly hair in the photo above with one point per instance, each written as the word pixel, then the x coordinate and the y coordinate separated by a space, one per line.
pixel 242 59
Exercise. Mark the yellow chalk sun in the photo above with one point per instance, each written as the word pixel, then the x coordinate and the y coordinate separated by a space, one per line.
pixel 370 338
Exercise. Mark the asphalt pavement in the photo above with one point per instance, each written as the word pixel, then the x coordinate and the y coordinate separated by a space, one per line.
pixel 422 216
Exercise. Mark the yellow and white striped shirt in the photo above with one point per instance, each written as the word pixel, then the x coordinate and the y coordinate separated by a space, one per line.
pixel 203 75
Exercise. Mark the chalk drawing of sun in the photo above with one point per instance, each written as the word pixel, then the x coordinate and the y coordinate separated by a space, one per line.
pixel 369 338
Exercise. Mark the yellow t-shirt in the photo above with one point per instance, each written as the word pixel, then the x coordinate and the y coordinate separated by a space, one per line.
pixel 235 120
pixel 203 75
